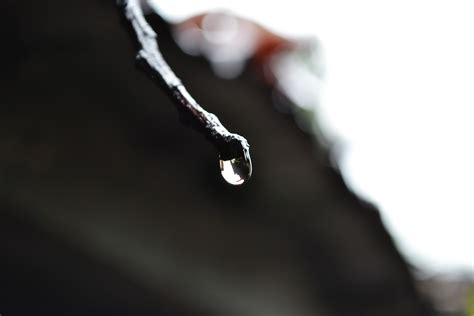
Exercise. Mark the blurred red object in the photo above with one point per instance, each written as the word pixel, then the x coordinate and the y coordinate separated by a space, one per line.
pixel 229 42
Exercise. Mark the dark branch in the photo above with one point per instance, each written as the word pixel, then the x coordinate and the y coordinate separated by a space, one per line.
pixel 228 144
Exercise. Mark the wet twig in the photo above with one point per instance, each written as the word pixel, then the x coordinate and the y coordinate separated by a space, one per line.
pixel 228 144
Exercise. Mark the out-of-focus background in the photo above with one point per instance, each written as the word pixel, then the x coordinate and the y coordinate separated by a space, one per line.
pixel 398 97
pixel 358 117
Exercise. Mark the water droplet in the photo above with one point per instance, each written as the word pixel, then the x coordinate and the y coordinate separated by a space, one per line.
pixel 237 170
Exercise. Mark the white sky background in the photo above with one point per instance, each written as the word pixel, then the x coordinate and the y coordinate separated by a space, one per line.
pixel 400 94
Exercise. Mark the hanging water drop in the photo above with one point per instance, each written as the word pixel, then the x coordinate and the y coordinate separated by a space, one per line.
pixel 236 170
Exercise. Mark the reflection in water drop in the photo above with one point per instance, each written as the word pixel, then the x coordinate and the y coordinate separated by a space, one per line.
pixel 236 171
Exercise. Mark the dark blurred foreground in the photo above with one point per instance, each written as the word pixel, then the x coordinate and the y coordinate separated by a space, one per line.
pixel 110 206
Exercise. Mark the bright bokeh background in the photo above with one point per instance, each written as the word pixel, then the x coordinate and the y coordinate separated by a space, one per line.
pixel 400 97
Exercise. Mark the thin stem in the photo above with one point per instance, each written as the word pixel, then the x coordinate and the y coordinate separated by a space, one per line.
pixel 228 144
